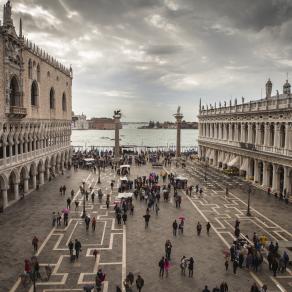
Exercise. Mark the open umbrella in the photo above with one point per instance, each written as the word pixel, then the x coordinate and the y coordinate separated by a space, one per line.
pixel 66 211
pixel 182 218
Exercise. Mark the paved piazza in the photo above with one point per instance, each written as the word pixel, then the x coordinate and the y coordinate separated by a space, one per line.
pixel 132 248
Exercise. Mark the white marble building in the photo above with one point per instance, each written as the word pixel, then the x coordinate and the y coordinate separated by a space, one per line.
pixel 254 137
pixel 35 114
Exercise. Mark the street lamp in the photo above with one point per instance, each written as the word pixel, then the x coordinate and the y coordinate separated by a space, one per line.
pixel 98 167
pixel 83 192
pixel 206 165
pixel 248 202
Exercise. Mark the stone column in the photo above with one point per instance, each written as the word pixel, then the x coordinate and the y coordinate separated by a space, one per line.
pixel 288 138
pixel 25 185
pixel 117 117
pixel 277 135
pixel 286 179
pixel 48 173
pixel 179 116
pixel 248 173
pixel 242 138
pixel 236 132
pixel 258 134
pixel 5 198
pixel 41 177
pixel 16 191
pixel 10 150
pixel 267 135
pixel 34 182
pixel 275 184
pixel 265 174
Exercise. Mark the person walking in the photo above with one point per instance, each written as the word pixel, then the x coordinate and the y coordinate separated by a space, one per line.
pixel 92 197
pixel 59 219
pixel 93 223
pixel 139 283
pixel 125 216
pixel 71 247
pixel 226 264
pixel 199 228
pixel 275 267
pixel 72 195
pixel 76 205
pixel 68 203
pixel 235 265
pixel 168 247
pixel 35 242
pixel 161 267
pixel 206 289
pixel 191 266
pixel 223 287
pixel 208 226
pixel 77 247
pixel 166 267
pixel 54 219
pixel 174 227
pixel 87 221
pixel 183 265
pixel 147 219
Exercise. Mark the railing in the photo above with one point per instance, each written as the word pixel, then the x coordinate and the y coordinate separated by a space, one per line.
pixel 249 146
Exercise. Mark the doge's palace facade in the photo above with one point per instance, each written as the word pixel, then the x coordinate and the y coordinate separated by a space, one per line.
pixel 35 114
pixel 253 137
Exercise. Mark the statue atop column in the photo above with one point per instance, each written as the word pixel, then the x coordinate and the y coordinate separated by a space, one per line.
pixel 178 116
pixel 117 117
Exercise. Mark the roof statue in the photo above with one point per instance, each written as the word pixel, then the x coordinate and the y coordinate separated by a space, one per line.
pixel 278 95
pixel 178 110
pixel 242 99
pixel 117 112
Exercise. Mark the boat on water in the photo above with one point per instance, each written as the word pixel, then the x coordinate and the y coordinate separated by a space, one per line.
pixel 106 138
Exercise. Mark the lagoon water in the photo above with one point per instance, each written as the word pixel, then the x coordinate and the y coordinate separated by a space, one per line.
pixel 131 135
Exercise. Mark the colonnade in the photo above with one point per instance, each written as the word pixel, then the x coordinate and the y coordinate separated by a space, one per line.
pixel 270 134
pixel 268 174
pixel 21 179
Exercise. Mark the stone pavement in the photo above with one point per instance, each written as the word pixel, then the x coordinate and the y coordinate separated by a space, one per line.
pixel 128 248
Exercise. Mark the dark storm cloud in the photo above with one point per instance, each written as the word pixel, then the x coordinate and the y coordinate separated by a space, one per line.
pixel 148 56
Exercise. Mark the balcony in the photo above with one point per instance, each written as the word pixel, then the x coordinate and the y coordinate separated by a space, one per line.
pixel 16 112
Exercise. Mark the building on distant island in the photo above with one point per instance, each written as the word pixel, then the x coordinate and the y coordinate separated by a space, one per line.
pixel 35 114
pixel 170 125
pixel 254 138
pixel 79 122
pixel 102 124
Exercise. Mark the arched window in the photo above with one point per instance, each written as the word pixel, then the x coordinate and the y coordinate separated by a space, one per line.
pixel 64 102
pixel 14 92
pixel 34 93
pixel 38 73
pixel 29 69
pixel 52 98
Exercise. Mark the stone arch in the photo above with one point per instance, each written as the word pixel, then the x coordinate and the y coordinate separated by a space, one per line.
pixel 261 172
pixel 23 177
pixel 64 102
pixel 270 175
pixel 272 135
pixel 280 178
pixel 34 93
pixel 32 176
pixel 52 98
pixel 262 134
pixel 14 96
pixel 282 135
pixel 3 191
pixel 13 179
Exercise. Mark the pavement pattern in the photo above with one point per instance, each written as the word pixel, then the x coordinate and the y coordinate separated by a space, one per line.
pixel 132 248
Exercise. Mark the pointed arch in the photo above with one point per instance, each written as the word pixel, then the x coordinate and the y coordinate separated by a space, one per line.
pixel 52 98
pixel 34 94
pixel 64 102
pixel 14 92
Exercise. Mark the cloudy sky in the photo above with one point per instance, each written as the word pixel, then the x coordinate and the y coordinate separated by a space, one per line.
pixel 149 56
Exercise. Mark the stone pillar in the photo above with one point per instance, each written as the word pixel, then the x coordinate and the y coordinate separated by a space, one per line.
pixel 4 150
pixel 25 146
pixel 288 138
pixel 41 177
pixel 242 138
pixel 25 185
pixel 16 151
pixel 265 174
pixel 235 132
pixel 34 182
pixel 179 116
pixel 256 171
pixel 5 198
pixel 275 185
pixel 48 173
pixel 117 117
pixel 258 134
pixel 10 150
pixel 16 191
pixel 21 147
pixel 267 135
pixel 277 135
pixel 286 179
pixel 248 173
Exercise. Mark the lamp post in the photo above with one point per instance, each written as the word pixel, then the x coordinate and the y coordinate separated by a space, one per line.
pixel 248 202
pixel 98 168
pixel 83 192
pixel 206 166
